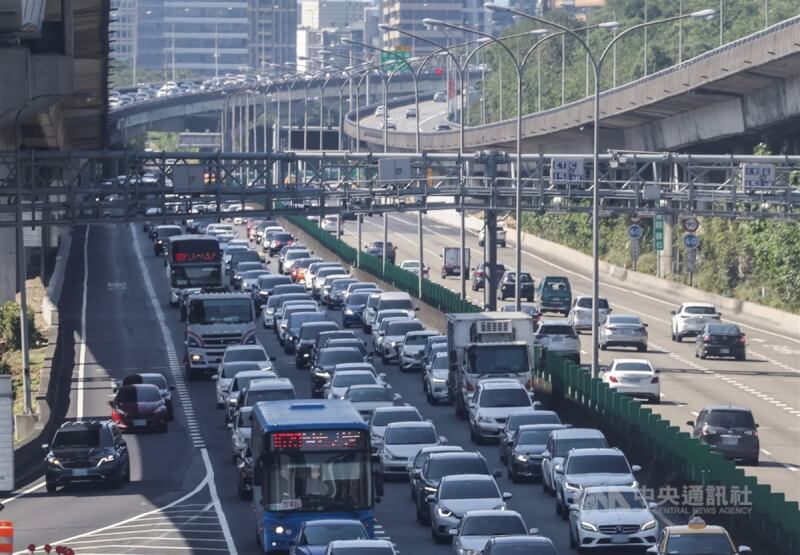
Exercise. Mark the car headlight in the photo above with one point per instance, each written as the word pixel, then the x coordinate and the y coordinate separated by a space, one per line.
pixel 192 341
pixel 322 374
pixel 487 419
pixel 53 460
pixel 250 340
pixel 348 312
pixel 462 551
pixel 521 458
pixel 444 512
pixel 107 459
pixel 650 524
pixel 439 380
pixel 430 489
pixel 393 344
pixel 588 526
pixel 634 484
pixel 572 487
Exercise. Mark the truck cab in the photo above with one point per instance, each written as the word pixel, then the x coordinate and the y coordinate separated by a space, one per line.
pixel 215 321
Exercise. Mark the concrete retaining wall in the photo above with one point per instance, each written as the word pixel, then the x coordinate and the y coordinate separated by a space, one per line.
pixel 670 291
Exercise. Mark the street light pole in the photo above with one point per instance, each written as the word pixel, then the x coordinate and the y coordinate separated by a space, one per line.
pixel 596 66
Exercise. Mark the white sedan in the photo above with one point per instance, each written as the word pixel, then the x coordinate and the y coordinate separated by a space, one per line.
pixel 635 377
pixel 690 319
pixel 413 266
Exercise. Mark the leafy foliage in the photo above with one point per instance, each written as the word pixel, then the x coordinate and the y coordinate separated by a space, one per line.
pixel 10 328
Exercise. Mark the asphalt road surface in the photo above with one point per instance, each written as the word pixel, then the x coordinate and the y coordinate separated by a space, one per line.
pixel 768 381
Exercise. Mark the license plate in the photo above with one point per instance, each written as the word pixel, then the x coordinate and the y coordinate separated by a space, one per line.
pixel 619 539
pixel 724 351
pixel 730 440
pixel 557 339
pixel 80 472
pixel 140 422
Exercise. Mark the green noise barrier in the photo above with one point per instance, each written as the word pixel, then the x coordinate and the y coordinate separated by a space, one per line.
pixel 772 520
pixel 433 294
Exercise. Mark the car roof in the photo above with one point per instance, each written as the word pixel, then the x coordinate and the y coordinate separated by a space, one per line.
pixel 411 424
pixel 516 539
pixel 344 366
pixel 339 349
pixel 571 433
pixel 609 488
pixel 335 521
pixel 271 383
pixel 467 478
pixel 500 383
pixel 396 409
pixel 353 373
pixel 245 348
pixel 442 449
pixel 255 374
pixel 456 454
pixel 697 304
pixel 595 451
pixel 630 360
pixel 360 543
pixel 392 295
pixel 491 512
pixel 429 333
pixel 533 427
pixel 149 374
pixel 554 322
pixel 366 386
pixel 84 425
pixel 403 320
pixel 727 407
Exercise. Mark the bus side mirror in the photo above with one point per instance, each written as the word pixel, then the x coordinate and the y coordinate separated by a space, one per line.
pixel 378 483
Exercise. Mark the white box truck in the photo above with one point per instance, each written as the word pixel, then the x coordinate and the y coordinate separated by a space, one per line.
pixel 485 345
pixel 451 261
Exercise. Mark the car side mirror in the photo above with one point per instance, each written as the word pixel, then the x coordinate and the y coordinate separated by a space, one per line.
pixel 416 474
pixel 382 375
pixel 636 468
pixel 430 498
pixel 545 454
pixel 537 404
pixel 45 446
pixel 416 309
pixel 172 388
pixel 507 495
pixel 215 377
pixel 653 549
pixel 652 505
pixel 273 359
pixel 396 397
pixel 559 469
pixel 110 403
pixel 443 440
pixel 672 312
pixel 690 423
pixel 230 425
pixel 744 549
pixel 497 473
pixel 533 531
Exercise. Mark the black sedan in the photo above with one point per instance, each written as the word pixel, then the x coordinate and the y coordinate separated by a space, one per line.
pixel 509 283
pixel 721 340
pixel 480 273
pixel 376 249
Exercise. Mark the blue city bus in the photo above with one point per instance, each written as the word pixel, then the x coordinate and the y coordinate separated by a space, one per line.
pixel 311 460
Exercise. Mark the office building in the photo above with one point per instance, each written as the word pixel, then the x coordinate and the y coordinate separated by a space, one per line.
pixel 409 14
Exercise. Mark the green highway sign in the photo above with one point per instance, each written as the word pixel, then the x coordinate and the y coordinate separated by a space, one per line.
pixel 391 61
pixel 658 233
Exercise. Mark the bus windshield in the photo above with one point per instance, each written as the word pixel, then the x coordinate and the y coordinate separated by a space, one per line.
pixel 318 481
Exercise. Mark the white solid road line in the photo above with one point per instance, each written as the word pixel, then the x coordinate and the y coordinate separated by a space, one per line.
pixel 176 374
pixel 79 409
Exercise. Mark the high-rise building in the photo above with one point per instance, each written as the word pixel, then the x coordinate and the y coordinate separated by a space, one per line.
pixel 204 37
pixel 323 24
pixel 409 14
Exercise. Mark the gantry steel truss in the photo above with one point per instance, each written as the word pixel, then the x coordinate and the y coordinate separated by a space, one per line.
pixel 65 188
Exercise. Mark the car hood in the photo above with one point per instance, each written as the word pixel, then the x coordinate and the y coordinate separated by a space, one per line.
pixel 599 479
pixel 529 449
pixel 413 349
pixel 622 516
pixel 363 406
pixel 475 543
pixel 141 408
pixel 408 451
pixel 461 506
pixel 499 412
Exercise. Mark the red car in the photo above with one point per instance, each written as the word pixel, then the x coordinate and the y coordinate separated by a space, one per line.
pixel 139 407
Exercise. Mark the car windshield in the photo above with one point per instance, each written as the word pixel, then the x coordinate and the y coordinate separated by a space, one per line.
pixel 256 396
pixel 498 359
pixel 633 366
pixel 331 358
pixel 512 397
pixel 410 435
pixel 67 439
pixel 700 544
pixel 240 384
pixel 709 310
pixel 323 534
pixel 416 339
pixel 220 311
pixel 277 299
pixel 397 304
pixel 266 283
pixel 293 255
pixel 494 525
pixel 341 285
pixel 457 465
pixel 282 237
pixel 586 302
pixel 346 380
pixel 537 417
pixel 556 288
pixel 298 319
pixel 723 329
pixel 357 299
pixel 375 395
pixel 313 331
pixel 555 329
pixel 625 320
pixel 533 437
pixel 469 489
pixel 440 363
pixel 613 500
pixel 155 379
pixel 243 267
pixel 142 394
pixel 245 355
pixel 253 274
pixel 402 328
pixel 564 445
pixel 598 464
pixel 730 419
pixel 385 418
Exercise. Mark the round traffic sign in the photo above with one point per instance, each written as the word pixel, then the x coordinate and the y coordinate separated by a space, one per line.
pixel 691 225
pixel 635 218
pixel 635 231
pixel 691 241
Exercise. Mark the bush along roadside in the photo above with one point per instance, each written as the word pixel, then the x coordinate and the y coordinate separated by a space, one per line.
pixel 750 260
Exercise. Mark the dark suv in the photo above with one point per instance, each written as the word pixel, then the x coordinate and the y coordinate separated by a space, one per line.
pixel 554 294
pixel 87 451
pixel 729 430
pixel 376 249
pixel 508 286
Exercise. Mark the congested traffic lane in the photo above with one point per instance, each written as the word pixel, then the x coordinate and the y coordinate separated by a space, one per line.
pixel 768 382
pixel 121 337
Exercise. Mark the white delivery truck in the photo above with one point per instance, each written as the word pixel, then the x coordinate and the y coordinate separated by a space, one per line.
pixel 485 345
pixel 451 261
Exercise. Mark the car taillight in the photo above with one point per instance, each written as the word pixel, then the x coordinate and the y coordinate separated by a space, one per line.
pixel 470 387
pixel 529 384
pixel 478 274
pixel 612 379
pixel 753 433
pixel 654 380
pixel 743 339
pixel 706 338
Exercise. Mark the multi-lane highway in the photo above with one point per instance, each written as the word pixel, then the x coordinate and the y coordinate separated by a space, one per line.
pixel 182 497
pixel 430 115
pixel 768 382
